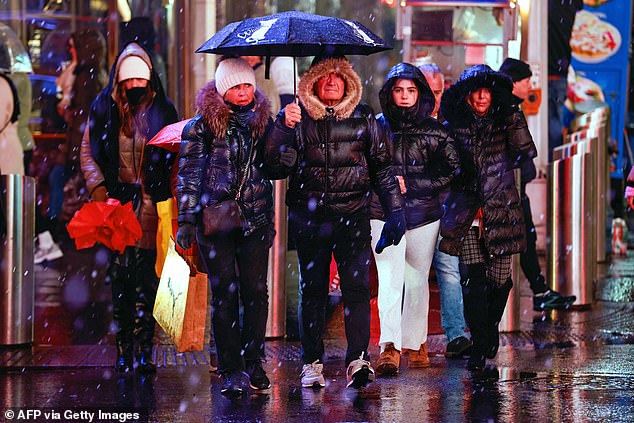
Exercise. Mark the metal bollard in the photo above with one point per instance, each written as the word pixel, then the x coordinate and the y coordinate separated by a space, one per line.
pixel 571 240
pixel 276 323
pixel 510 321
pixel 17 283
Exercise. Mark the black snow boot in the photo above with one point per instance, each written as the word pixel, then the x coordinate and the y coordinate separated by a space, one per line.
pixel 498 297
pixel 475 292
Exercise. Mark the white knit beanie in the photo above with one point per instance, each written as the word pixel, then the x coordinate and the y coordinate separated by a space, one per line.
pixel 133 67
pixel 232 72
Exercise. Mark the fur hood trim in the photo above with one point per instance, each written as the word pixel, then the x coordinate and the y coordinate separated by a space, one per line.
pixel 216 113
pixel 352 95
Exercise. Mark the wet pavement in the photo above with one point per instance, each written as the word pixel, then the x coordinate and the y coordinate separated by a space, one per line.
pixel 563 366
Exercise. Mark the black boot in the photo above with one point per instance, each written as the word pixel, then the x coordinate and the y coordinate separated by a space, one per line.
pixel 498 297
pixel 123 364
pixel 144 361
pixel 475 292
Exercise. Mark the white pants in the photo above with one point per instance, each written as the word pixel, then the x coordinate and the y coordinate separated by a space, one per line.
pixel 405 265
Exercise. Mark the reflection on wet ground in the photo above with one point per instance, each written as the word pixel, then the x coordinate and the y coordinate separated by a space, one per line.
pixel 561 366
pixel 586 383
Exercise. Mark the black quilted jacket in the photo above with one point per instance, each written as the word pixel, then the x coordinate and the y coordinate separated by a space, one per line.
pixel 490 148
pixel 422 150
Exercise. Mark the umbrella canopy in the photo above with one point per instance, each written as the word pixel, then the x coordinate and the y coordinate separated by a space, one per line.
pixel 110 223
pixel 294 34
pixel 13 55
pixel 169 137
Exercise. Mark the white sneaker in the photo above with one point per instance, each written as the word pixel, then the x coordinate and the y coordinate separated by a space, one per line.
pixel 359 373
pixel 47 249
pixel 312 375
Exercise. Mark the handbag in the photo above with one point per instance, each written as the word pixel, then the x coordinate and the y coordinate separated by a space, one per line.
pixel 181 302
pixel 225 216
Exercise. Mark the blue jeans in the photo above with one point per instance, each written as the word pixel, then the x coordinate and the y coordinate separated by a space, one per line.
pixel 56 181
pixel 451 306
pixel 557 91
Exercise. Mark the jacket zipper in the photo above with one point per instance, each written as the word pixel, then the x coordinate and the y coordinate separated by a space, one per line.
pixel 326 157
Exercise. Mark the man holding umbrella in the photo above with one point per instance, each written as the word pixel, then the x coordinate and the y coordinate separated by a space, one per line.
pixel 335 153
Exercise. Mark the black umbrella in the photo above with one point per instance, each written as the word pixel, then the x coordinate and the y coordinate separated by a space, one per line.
pixel 295 34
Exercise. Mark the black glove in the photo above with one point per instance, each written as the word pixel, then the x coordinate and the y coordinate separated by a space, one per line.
pixel 392 232
pixel 186 235
pixel 288 157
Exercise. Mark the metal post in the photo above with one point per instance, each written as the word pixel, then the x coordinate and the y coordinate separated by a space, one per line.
pixel 570 222
pixel 510 321
pixel 17 283
pixel 276 323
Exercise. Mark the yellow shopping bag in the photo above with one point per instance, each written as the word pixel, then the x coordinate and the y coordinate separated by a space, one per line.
pixel 181 302
pixel 166 211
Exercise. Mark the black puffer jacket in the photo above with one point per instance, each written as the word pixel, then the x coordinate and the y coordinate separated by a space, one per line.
pixel 489 148
pixel 422 150
pixel 342 151
pixel 214 152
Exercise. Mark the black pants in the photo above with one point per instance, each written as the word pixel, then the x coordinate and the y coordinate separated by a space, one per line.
pixel 317 238
pixel 237 267
pixel 528 259
pixel 134 284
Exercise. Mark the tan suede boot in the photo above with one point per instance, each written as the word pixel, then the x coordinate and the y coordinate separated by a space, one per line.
pixel 418 358
pixel 389 361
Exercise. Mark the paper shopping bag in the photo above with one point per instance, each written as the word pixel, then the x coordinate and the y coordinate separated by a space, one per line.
pixel 181 302
pixel 166 211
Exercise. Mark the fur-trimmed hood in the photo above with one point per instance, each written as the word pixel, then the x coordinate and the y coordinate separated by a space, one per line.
pixel 216 113
pixel 454 106
pixel 352 94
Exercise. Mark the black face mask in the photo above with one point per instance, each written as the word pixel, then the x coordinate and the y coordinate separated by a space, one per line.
pixel 134 95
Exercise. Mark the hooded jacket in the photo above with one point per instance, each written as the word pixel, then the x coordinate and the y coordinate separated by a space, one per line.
pixel 342 151
pixel 90 77
pixel 489 148
pixel 422 150
pixel 215 149
pixel 111 159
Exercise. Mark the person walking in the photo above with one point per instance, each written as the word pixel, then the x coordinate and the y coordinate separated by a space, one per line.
pixel 222 176
pixel 447 266
pixel 335 153
pixel 117 163
pixel 543 297
pixel 483 220
pixel 424 160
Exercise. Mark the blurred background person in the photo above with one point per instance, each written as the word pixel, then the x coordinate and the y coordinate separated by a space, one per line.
pixel 543 298
pixel 445 265
pixel 561 17
pixel 10 146
pixel 284 75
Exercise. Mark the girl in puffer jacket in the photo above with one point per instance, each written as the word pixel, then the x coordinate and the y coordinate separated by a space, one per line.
pixel 424 160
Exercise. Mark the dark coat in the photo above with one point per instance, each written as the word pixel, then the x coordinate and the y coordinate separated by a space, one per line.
pixel 422 150
pixel 104 141
pixel 90 78
pixel 342 151
pixel 214 152
pixel 490 148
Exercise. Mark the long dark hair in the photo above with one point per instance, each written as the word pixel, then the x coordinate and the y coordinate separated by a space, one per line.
pixel 132 117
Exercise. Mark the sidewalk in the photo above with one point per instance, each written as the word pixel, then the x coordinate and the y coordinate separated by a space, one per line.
pixel 561 366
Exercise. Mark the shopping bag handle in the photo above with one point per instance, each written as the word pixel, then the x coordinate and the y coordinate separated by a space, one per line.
pixel 193 269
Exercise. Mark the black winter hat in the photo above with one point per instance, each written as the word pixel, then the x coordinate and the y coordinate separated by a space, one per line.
pixel 515 69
